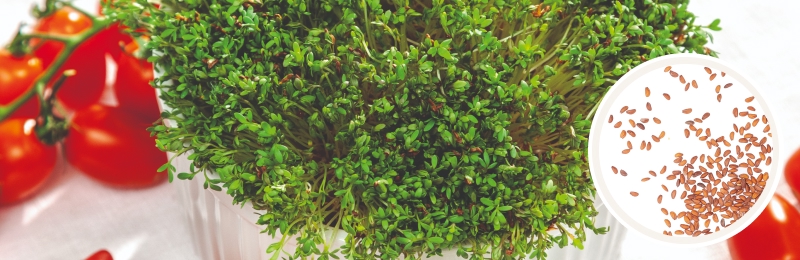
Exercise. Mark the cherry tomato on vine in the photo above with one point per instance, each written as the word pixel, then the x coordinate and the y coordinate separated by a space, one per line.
pixel 88 59
pixel 113 146
pixel 773 235
pixel 17 75
pixel 792 173
pixel 101 255
pixel 25 162
pixel 133 89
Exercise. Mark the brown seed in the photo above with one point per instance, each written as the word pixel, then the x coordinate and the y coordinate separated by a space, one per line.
pixel 610 119
pixel 656 120
pixel 717 89
pixel 683 195
pixel 649 107
pixel 643 145
pixel 656 139
pixel 630 145
pixel 667 68
pixel 673 74
pixel 706 115
pixel 633 123
pixel 707 70
pixel 686 88
pixel 659 202
pixel 645 179
pixel 687 111
pixel 722 73
pixel 631 111
pixel 618 124
pixel 644 120
pixel 678 232
pixel 728 85
pixel 666 96
pixel 766 129
pixel 623 109
pixel 622 134
pixel 640 125
pixel 712 76
pixel 649 146
pixel 689 122
pixel 735 112
pixel 686 132
pixel 631 133
pixel 646 92
pixel 664 187
pixel 750 99
pixel 666 221
pixel 626 151
pixel 652 173
pixel 682 79
pixel 719 97
pixel 614 169
pixel 663 210
pixel 751 108
pixel 623 173
pixel 764 119
pixel 673 194
pixel 635 194
pixel 694 84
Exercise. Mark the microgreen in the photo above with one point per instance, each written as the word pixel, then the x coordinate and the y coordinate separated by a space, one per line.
pixel 413 126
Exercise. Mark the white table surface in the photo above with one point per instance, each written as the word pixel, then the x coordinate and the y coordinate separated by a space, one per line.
pixel 72 217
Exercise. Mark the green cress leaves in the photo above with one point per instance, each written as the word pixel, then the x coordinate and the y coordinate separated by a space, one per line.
pixel 413 126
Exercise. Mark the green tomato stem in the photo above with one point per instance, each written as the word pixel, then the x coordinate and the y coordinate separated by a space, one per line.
pixel 38 87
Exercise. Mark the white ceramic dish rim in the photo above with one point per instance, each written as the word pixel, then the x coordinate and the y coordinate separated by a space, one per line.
pixel 594 139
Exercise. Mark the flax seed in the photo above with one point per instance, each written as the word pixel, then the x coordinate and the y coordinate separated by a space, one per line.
pixel 694 84
pixel 633 123
pixel 622 134
pixel 623 173
pixel 631 133
pixel 645 179
pixel 618 124
pixel 666 96
pixel 686 132
pixel 750 99
pixel 630 111
pixel 656 120
pixel 667 69
pixel 640 125
pixel 717 89
pixel 686 88
pixel 626 151
pixel 673 74
pixel 635 194
pixel 712 76
pixel 646 92
pixel 683 80
pixel 673 194
pixel 623 109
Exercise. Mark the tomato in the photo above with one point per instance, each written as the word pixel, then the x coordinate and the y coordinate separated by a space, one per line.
pixel 133 89
pixel 101 255
pixel 773 235
pixel 792 172
pixel 113 146
pixel 17 75
pixel 25 163
pixel 88 59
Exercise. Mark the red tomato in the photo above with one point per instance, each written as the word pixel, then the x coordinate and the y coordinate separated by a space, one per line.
pixel 133 89
pixel 101 255
pixel 792 172
pixel 25 163
pixel 113 146
pixel 773 235
pixel 88 59
pixel 17 75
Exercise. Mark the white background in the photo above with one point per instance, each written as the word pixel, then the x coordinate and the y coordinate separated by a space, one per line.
pixel 73 216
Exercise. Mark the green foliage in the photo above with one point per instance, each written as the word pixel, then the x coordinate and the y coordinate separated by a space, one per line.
pixel 413 126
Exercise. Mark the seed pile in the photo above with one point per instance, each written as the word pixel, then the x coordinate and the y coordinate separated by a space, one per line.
pixel 716 187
